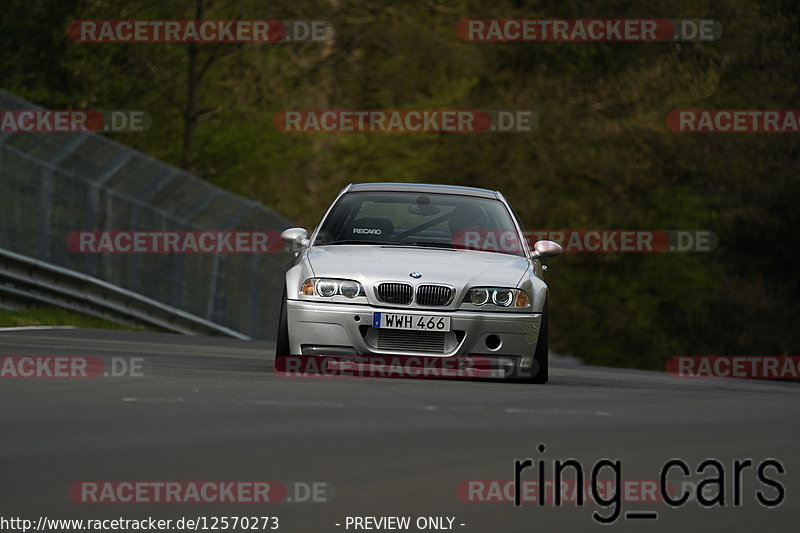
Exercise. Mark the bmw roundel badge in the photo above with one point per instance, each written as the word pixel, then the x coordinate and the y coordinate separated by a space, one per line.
pixel 415 275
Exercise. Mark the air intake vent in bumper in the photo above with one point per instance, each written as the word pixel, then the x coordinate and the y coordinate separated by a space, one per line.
pixel 411 341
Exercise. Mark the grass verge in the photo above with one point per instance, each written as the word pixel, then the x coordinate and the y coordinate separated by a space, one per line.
pixel 54 316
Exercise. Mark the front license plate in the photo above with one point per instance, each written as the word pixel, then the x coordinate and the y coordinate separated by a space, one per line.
pixel 415 322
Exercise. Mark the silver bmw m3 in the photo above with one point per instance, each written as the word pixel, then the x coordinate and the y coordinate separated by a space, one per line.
pixel 425 271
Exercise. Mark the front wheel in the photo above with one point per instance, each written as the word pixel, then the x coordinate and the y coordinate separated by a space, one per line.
pixel 538 373
pixel 282 336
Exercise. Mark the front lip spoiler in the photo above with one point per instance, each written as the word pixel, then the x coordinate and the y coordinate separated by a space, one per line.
pixel 501 371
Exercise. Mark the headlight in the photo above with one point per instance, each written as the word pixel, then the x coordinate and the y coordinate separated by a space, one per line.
pixel 478 296
pixel 349 289
pixel 328 288
pixel 499 296
pixel 502 297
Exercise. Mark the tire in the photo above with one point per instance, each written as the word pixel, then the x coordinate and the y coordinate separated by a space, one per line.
pixel 540 358
pixel 282 337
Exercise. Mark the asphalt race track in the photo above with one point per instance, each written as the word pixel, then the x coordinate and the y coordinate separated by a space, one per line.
pixel 212 409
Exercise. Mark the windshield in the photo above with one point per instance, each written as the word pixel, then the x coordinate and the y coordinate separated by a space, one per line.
pixel 414 219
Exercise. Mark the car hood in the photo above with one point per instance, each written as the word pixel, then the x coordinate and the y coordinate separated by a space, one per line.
pixel 371 263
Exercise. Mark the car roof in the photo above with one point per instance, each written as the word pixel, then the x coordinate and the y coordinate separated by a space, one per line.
pixel 422 188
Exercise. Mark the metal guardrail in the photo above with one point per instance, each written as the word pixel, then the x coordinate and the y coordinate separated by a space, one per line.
pixel 26 279
pixel 52 184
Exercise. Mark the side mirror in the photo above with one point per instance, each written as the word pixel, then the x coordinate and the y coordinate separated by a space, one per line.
pixel 545 249
pixel 295 237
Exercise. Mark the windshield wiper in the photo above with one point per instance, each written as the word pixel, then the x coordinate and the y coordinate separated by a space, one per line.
pixel 423 244
pixel 354 241
pixel 426 244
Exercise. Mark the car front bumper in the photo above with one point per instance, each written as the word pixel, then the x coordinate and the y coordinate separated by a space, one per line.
pixel 341 330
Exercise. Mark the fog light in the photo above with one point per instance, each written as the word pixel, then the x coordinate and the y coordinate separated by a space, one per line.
pixel 493 342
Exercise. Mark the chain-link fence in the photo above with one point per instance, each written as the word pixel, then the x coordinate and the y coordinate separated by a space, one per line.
pixel 52 184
